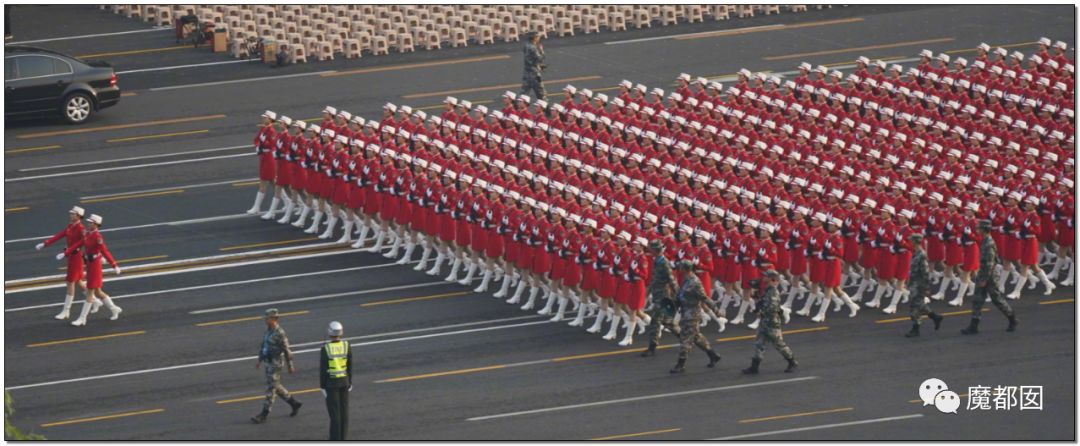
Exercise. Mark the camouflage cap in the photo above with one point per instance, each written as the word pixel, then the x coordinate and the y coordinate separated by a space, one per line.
pixel 684 265
pixel 916 237
pixel 656 244
pixel 271 313
pixel 772 273
pixel 985 225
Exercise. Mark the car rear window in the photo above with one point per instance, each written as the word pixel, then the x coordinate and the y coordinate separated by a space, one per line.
pixel 33 66
pixel 60 67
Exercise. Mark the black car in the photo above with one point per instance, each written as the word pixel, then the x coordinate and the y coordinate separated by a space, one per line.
pixel 42 82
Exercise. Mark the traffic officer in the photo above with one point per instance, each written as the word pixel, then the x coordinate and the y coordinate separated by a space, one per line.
pixel 531 78
pixel 72 233
pixel 662 289
pixel 919 286
pixel 691 296
pixel 986 283
pixel 275 354
pixel 335 379
pixel 769 330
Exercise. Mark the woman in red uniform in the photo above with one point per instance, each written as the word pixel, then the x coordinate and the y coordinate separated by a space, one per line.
pixel 93 250
pixel 831 256
pixel 382 193
pixel 476 204
pixel 726 250
pixel 571 271
pixel 900 248
pixel 635 274
pixel 814 244
pixel 795 245
pixel 1066 229
pixel 460 211
pixel 489 221
pixel 283 178
pixel 72 234
pixel 539 264
pixel 585 258
pixel 320 178
pixel 954 248
pixel 553 240
pixel 604 249
pixel 1029 249
pixel 336 188
pixel 294 187
pixel 867 255
pixel 969 241
pixel 744 262
pixel 305 156
pixel 354 202
pixel 1010 249
pixel 615 276
pixel 264 147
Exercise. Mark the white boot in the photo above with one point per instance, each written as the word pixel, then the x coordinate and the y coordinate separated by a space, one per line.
pixel 629 338
pixel 82 315
pixel 314 223
pixel 597 325
pixel 95 305
pixel 469 276
pixel 395 248
pixel 258 203
pixel 270 212
pixel 454 270
pixel 517 293
pixel 822 310
pixel 864 285
pixel 1069 276
pixel 66 312
pixel 288 212
pixel 810 299
pixel 552 297
pixel 643 323
pixel 959 300
pixel 792 293
pixel 614 330
pixel 1002 277
pixel 329 227
pixel 407 257
pixel 503 288
pixel 580 319
pixel 1046 283
pixel 1058 263
pixel 944 286
pixel 742 311
pixel 380 238
pixel 424 257
pixel 347 236
pixel 853 308
pixel 936 276
pixel 299 223
pixel 437 267
pixel 560 313
pixel 112 308
pixel 484 282
pixel 535 291
pixel 1019 287
pixel 787 314
pixel 895 298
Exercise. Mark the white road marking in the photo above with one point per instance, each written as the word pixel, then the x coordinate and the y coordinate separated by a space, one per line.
pixel 321 297
pixel 137 166
pixel 176 67
pixel 237 81
pixel 784 74
pixel 148 225
pixel 248 358
pixel 188 186
pixel 421 330
pixel 134 158
pixel 823 426
pixel 88 36
pixel 647 39
pixel 641 398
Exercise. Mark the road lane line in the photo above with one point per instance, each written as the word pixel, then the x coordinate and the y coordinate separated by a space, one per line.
pixel 134 158
pixel 425 329
pixel 677 36
pixel 88 36
pixel 124 167
pixel 237 81
pixel 149 225
pixel 639 434
pixel 642 398
pixel 17 209
pixel 901 319
pixel 259 245
pixel 137 259
pixel 188 186
pixel 159 135
pixel 130 196
pixel 415 299
pixel 128 93
pixel 494 87
pixel 797 415
pixel 321 297
pixel 246 183
pixel 84 339
pixel 245 319
pixel 103 417
pixel 823 426
pixel 259 397
pixel 437 374
pixel 1059 301
pixel 860 48
pixel 118 126
pixel 733 32
pixel 176 67
pixel 130 52
pixel 417 65
pixel 32 149
pixel 433 107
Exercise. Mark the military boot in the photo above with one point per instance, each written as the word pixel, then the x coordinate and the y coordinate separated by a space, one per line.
pixel 295 406
pixel 753 369
pixel 1012 324
pixel 713 358
pixel 651 351
pixel 791 365
pixel 679 366
pixel 972 328
pixel 914 331
pixel 261 417
pixel 937 318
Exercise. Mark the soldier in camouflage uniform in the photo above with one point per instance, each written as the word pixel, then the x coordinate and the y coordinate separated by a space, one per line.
pixel 769 329
pixel 275 355
pixel 662 289
pixel 531 78
pixel 919 286
pixel 986 283
pixel 691 297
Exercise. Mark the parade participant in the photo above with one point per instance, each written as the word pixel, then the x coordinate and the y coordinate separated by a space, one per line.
pixel 604 251
pixel 274 356
pixel 795 245
pixel 770 330
pixel 307 154
pixel 443 223
pixel 319 178
pixel 92 246
pixel 382 192
pixel 354 203
pixel 336 189
pixel 264 146
pixel 868 255
pixel 292 181
pixel 1028 244
pixel 395 209
pixel 458 241
pixel 585 257
pixel 531 78
pixel 569 270
pixel 279 147
pixel 919 284
pixel 968 239
pixel 72 234
pixel 691 297
pixel 985 285
pixel 635 274
pixel 950 237
pixel 335 379
pixel 505 227
pixel 662 289
pixel 613 285
pixel 363 191
pixel 815 264
pixel 1066 229
pixel 900 250
pixel 830 255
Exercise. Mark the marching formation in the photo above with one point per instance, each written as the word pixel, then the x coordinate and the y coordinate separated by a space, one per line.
pixel 85 253
pixel 824 179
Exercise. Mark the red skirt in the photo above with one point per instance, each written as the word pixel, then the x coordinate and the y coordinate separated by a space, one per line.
pixel 356 196
pixel 903 266
pixel 387 206
pixel 298 176
pixel 851 250
pixel 886 269
pixel 706 282
pixel 404 211
pixel 607 286
pixel 833 271
pixel 524 257
pixel 418 217
pixel 954 254
pixel 266 167
pixel 493 244
pixel 798 262
pixel 511 249
pixel 462 233
pixel 748 272
pixel 74 268
pixel 731 270
pixel 371 201
pixel 817 270
pixel 571 273
pixel 1047 228
pixel 1029 251
pixel 558 268
pixel 541 263
pixel 326 187
pixel 999 241
pixel 971 257
pixel 284 173
pixel 477 238
pixel 635 298
pixel 447 227
pixel 590 278
pixel 783 260
pixel 868 257
pixel 313 182
pixel 622 291
pixel 1065 235
pixel 1010 250
pixel 341 192
pixel 935 249
pixel 94 275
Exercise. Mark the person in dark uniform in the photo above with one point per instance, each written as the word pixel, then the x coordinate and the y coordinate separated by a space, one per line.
pixel 532 77
pixel 919 285
pixel 335 379
pixel 986 283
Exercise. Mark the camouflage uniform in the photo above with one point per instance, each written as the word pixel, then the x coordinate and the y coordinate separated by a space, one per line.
pixel 691 296
pixel 531 79
pixel 988 260
pixel 664 305
pixel 919 286
pixel 276 356
pixel 769 327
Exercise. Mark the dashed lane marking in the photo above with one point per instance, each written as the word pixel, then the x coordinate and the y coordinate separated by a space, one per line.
pixel 860 48
pixel 416 65
pixel 823 426
pixel 130 196
pixel 263 244
pixel 32 149
pixel 158 135
pixel 494 87
pixel 259 397
pixel 17 209
pixel 246 319
pixel 131 52
pixel 103 417
pixel 118 126
pixel 1058 301
pixel 638 434
pixel 133 158
pixel 415 299
pixel 87 338
pixel 797 415
pixel 734 32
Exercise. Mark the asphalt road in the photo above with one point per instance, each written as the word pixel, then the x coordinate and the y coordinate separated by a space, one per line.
pixel 170 169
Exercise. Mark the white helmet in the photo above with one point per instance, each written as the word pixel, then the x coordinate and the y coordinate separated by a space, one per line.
pixel 335 329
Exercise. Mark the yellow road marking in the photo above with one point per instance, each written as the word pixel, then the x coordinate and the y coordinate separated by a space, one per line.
pixel 18 209
pixel 1011 45
pixel 126 197
pixel 245 319
pixel 137 259
pixel 795 415
pixel 414 299
pixel 118 126
pixel 1059 301
pixel 735 32
pixel 159 135
pixel 433 375
pixel 786 332
pixel 33 149
pixel 104 417
pixel 861 48
pixel 246 183
pixel 639 434
pixel 125 53
pixel 128 93
pixel 962 395
pixel 88 338
pixel 494 87
pixel 253 398
pixel 899 319
pixel 256 245
pixel 415 65
pixel 433 107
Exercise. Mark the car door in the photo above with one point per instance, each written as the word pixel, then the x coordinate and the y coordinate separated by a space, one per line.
pixel 40 83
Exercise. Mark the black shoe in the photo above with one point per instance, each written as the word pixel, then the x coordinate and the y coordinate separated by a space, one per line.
pixel 913 333
pixel 1012 324
pixel 713 358
pixel 261 417
pixel 679 366
pixel 651 351
pixel 937 318
pixel 972 328
pixel 295 406
pixel 753 369
pixel 791 365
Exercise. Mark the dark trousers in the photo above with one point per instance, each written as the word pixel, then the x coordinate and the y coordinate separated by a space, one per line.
pixel 337 405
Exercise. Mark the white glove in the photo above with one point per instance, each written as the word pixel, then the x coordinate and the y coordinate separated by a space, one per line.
pixel 350 388
pixel 60 256
pixel 117 269
pixel 39 246
pixel 323 392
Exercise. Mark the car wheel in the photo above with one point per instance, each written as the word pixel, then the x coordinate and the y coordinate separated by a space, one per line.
pixel 77 108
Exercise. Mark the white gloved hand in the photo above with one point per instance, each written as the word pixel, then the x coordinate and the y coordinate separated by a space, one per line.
pixel 323 392
pixel 60 256
pixel 39 246
pixel 350 387
pixel 117 269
